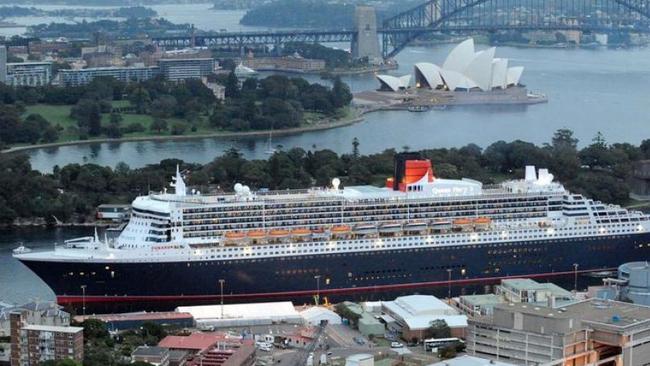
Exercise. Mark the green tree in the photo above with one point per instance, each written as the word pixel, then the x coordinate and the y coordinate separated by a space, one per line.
pixel 140 99
pixel 87 112
pixel 232 86
pixel 159 125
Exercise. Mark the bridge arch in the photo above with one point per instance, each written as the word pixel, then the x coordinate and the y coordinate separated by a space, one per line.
pixel 468 15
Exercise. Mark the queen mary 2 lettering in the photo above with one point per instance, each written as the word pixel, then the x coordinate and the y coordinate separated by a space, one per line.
pixel 417 231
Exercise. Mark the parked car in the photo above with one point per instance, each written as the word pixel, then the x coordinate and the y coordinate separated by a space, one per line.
pixel 396 345
pixel 359 341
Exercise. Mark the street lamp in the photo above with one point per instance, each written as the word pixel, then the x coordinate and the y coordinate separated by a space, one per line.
pixel 83 299
pixel 448 284
pixel 317 277
pixel 575 277
pixel 221 282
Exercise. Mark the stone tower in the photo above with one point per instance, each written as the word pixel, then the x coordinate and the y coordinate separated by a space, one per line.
pixel 365 42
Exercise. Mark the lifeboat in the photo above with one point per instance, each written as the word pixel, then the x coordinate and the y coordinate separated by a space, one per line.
pixel 340 229
pixel 415 226
pixel 390 227
pixel 279 233
pixel 234 235
pixel 462 222
pixel 319 233
pixel 483 221
pixel 440 223
pixel 256 234
pixel 365 229
pixel 300 232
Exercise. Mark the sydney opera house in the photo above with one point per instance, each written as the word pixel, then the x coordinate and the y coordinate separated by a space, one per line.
pixel 464 69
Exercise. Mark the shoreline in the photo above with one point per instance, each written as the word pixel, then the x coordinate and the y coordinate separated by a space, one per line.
pixel 357 117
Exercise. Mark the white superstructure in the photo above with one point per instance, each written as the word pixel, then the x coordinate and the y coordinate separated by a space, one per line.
pixel 423 213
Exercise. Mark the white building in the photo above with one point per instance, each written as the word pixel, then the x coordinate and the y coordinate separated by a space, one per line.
pixel 361 359
pixel 465 69
pixel 233 315
pixel 315 315
pixel 466 360
pixel 29 73
pixel 416 313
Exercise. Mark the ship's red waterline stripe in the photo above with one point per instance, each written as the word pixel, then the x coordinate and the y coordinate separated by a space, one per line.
pixel 64 299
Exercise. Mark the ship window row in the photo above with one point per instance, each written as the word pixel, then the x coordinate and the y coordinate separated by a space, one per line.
pixel 280 249
pixel 155 213
pixel 368 210
pixel 385 204
pixel 337 216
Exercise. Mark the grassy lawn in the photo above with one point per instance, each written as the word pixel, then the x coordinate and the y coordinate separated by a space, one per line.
pixel 60 115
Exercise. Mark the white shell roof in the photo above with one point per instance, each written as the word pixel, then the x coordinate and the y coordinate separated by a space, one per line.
pixel 463 69
pixel 499 73
pixel 479 69
pixel 460 57
pixel 394 83
pixel 430 72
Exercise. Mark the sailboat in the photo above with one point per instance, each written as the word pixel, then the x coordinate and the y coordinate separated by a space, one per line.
pixel 269 145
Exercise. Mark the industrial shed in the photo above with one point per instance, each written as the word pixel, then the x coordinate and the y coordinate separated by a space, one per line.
pixel 240 315
pixel 316 315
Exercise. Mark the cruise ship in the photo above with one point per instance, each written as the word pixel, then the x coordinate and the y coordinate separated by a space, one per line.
pixel 418 231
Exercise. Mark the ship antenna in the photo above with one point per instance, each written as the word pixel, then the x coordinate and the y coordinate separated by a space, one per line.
pixel 96 235
pixel 178 183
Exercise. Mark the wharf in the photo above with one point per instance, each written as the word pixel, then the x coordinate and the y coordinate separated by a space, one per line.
pixel 402 100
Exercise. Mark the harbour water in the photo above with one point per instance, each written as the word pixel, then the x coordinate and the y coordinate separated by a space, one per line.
pixel 588 90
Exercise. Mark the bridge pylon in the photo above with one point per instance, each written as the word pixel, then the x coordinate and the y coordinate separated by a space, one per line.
pixel 364 41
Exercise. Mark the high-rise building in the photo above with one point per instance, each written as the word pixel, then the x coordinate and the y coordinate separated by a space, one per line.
pixel 186 68
pixel 3 64
pixel 33 344
pixel 29 73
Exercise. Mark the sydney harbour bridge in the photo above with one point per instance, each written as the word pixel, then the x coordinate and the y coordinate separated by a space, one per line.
pixel 451 16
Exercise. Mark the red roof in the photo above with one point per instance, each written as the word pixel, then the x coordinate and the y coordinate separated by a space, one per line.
pixel 194 341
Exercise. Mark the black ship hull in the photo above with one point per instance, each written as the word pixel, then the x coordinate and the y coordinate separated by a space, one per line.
pixel 301 277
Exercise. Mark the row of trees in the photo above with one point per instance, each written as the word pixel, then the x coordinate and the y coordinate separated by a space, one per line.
pixel 275 102
pixel 70 193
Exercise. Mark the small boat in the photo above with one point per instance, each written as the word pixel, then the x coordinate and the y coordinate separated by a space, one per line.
pixel 256 234
pixel 390 227
pixel 440 223
pixel 270 150
pixel 278 233
pixel 300 232
pixel 483 221
pixel 234 235
pixel 340 229
pixel 439 107
pixel 415 226
pixel 365 229
pixel 462 222
pixel 418 108
pixel 21 249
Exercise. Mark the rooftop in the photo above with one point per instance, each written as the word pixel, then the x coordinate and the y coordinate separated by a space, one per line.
pixel 53 328
pixel 418 311
pixel 487 299
pixel 596 312
pixel 521 284
pixel 466 360
pixel 149 351
pixel 194 341
pixel 144 316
